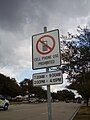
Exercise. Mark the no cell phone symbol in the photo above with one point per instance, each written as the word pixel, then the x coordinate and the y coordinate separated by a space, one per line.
pixel 45 44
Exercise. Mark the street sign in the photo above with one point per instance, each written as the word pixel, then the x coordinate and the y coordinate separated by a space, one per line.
pixel 46 49
pixel 50 78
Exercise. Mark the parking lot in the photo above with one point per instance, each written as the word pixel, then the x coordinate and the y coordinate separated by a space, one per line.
pixel 60 111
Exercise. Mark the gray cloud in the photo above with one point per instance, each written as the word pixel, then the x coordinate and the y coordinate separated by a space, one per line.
pixel 20 19
pixel 9 14
pixel 13 13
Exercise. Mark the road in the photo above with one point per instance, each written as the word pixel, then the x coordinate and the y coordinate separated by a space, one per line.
pixel 60 111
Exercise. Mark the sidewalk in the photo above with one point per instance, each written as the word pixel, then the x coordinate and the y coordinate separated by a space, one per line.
pixel 83 113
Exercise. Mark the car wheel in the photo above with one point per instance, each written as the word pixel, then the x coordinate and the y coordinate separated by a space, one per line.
pixel 6 107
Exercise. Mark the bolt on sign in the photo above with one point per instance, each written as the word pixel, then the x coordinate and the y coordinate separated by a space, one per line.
pixel 50 78
pixel 46 49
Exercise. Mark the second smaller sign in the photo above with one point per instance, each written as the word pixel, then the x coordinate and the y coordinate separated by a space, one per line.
pixel 50 78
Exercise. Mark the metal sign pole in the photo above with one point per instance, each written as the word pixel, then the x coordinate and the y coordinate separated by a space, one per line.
pixel 49 100
pixel 48 92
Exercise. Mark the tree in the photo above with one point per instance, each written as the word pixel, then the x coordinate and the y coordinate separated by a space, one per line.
pixel 8 86
pixel 25 84
pixel 65 95
pixel 78 57
pixel 82 85
pixel 54 96
pixel 28 89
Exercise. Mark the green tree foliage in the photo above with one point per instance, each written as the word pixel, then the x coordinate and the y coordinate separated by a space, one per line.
pixel 54 96
pixel 82 85
pixel 40 93
pixel 65 95
pixel 25 86
pixel 8 87
pixel 28 88
pixel 78 59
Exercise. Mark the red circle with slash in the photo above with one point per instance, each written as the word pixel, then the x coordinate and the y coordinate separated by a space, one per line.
pixel 49 48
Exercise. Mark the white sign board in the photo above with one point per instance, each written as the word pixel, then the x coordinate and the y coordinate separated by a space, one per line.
pixel 50 78
pixel 46 49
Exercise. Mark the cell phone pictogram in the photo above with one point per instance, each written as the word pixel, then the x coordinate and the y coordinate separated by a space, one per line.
pixel 44 48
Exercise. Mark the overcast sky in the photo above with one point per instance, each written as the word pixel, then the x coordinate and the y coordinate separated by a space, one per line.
pixel 20 19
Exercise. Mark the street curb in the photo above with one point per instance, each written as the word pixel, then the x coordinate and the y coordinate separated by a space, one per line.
pixel 72 117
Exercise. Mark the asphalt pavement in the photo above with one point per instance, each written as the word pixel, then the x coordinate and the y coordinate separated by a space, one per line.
pixel 60 111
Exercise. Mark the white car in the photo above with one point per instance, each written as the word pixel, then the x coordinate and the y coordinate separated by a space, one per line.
pixel 4 103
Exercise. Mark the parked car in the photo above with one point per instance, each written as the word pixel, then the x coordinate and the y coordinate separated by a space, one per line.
pixel 4 103
pixel 67 101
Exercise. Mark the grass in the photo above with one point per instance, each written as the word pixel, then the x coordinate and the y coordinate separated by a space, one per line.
pixel 83 113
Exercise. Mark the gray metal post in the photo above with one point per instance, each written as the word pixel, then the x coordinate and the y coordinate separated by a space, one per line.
pixel 49 100
pixel 48 93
